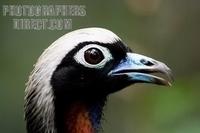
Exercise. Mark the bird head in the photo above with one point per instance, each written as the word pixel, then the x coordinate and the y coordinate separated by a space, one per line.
pixel 100 63
pixel 83 65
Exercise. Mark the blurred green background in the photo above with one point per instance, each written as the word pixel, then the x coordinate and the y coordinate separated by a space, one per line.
pixel 167 30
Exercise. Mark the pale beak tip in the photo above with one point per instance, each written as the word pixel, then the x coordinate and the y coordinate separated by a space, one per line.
pixel 169 84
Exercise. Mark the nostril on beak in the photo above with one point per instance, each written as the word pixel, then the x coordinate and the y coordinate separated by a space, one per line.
pixel 146 62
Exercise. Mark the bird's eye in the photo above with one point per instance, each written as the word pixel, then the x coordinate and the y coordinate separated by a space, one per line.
pixel 93 56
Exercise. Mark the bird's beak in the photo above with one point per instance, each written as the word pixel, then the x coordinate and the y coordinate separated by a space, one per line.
pixel 138 68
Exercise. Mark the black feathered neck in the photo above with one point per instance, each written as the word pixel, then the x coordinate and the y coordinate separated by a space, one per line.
pixel 78 115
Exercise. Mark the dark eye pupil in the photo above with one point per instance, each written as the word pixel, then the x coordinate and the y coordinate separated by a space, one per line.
pixel 93 56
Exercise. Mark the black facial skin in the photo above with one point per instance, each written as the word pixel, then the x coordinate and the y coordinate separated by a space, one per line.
pixel 73 78
pixel 74 82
